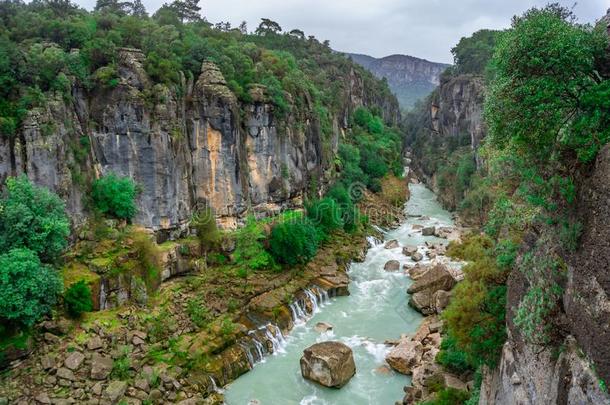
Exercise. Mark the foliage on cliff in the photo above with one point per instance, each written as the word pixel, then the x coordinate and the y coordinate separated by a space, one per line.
pixel 53 46
pixel 547 114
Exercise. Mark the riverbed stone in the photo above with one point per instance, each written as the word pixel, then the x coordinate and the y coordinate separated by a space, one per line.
pixel 404 357
pixel 417 257
pixel 322 327
pixel 330 364
pixel 428 231
pixel 416 272
pixel 391 244
pixel 437 278
pixel 409 250
pixel 392 265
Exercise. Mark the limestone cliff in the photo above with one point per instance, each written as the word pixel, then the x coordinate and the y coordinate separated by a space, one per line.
pixel 185 147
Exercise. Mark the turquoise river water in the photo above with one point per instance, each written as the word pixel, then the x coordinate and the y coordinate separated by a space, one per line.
pixel 375 310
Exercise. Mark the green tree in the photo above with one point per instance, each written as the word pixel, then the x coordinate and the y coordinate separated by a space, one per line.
pixel 28 288
pixel 115 196
pixel 32 217
pixel 204 223
pixel 472 54
pixel 268 26
pixel 77 299
pixel 187 10
pixel 546 91
pixel 294 242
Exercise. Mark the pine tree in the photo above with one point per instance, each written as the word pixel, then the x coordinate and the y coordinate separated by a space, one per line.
pixel 138 9
pixel 113 6
pixel 187 10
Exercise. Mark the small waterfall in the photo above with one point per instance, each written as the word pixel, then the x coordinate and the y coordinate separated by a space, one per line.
pixel 215 386
pixel 324 296
pixel 274 335
pixel 258 347
pixel 248 353
pixel 373 241
pixel 314 300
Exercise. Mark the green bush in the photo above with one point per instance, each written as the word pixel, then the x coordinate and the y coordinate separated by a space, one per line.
pixel 250 252
pixel 449 396
pixel 349 212
pixel 28 288
pixel 115 196
pixel 32 218
pixel 451 357
pixel 204 223
pixel 77 299
pixel 294 242
pixel 325 214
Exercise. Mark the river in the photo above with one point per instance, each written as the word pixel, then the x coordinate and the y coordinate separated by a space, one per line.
pixel 375 310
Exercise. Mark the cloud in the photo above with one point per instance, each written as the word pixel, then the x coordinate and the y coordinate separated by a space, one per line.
pixel 422 28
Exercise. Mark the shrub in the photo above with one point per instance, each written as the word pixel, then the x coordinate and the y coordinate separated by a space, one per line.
pixel 204 223
pixel 449 396
pixel 349 212
pixel 28 288
pixel 294 242
pixel 77 299
pixel 32 218
pixel 197 311
pixel 451 357
pixel 115 196
pixel 249 250
pixel 325 214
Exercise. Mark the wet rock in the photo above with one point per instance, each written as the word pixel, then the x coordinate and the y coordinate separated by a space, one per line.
pixel 417 257
pixel 322 327
pixel 404 357
pixel 115 391
pixel 392 244
pixel 409 250
pixel 384 370
pixel 423 302
pixel 392 265
pixel 330 364
pixel 74 360
pixel 101 366
pixel 428 231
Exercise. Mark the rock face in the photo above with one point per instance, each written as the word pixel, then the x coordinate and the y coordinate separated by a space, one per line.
pixel 409 78
pixel 183 150
pixel 328 363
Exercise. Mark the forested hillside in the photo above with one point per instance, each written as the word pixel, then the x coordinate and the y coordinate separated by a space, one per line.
pixel 521 158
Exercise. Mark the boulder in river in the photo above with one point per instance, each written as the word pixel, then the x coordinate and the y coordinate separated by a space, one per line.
pixel 406 356
pixel 417 257
pixel 330 364
pixel 322 327
pixel 409 250
pixel 391 244
pixel 392 265
pixel 428 231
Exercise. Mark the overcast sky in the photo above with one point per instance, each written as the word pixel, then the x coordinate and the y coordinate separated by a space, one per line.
pixel 423 28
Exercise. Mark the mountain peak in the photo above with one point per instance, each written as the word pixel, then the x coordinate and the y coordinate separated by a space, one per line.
pixel 410 78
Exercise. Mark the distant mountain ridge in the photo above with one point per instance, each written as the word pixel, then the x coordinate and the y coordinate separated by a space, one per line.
pixel 410 78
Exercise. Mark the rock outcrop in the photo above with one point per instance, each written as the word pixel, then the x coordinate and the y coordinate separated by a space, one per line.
pixel 330 364
pixel 185 150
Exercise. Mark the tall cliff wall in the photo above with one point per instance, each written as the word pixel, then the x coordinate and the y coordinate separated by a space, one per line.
pixel 184 148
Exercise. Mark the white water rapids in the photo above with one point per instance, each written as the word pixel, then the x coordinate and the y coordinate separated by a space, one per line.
pixel 375 310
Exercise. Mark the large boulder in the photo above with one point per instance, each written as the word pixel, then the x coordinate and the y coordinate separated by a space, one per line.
pixel 391 244
pixel 392 265
pixel 330 364
pixel 428 231
pixel 405 357
pixel 437 278
pixel 409 250
pixel 417 257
